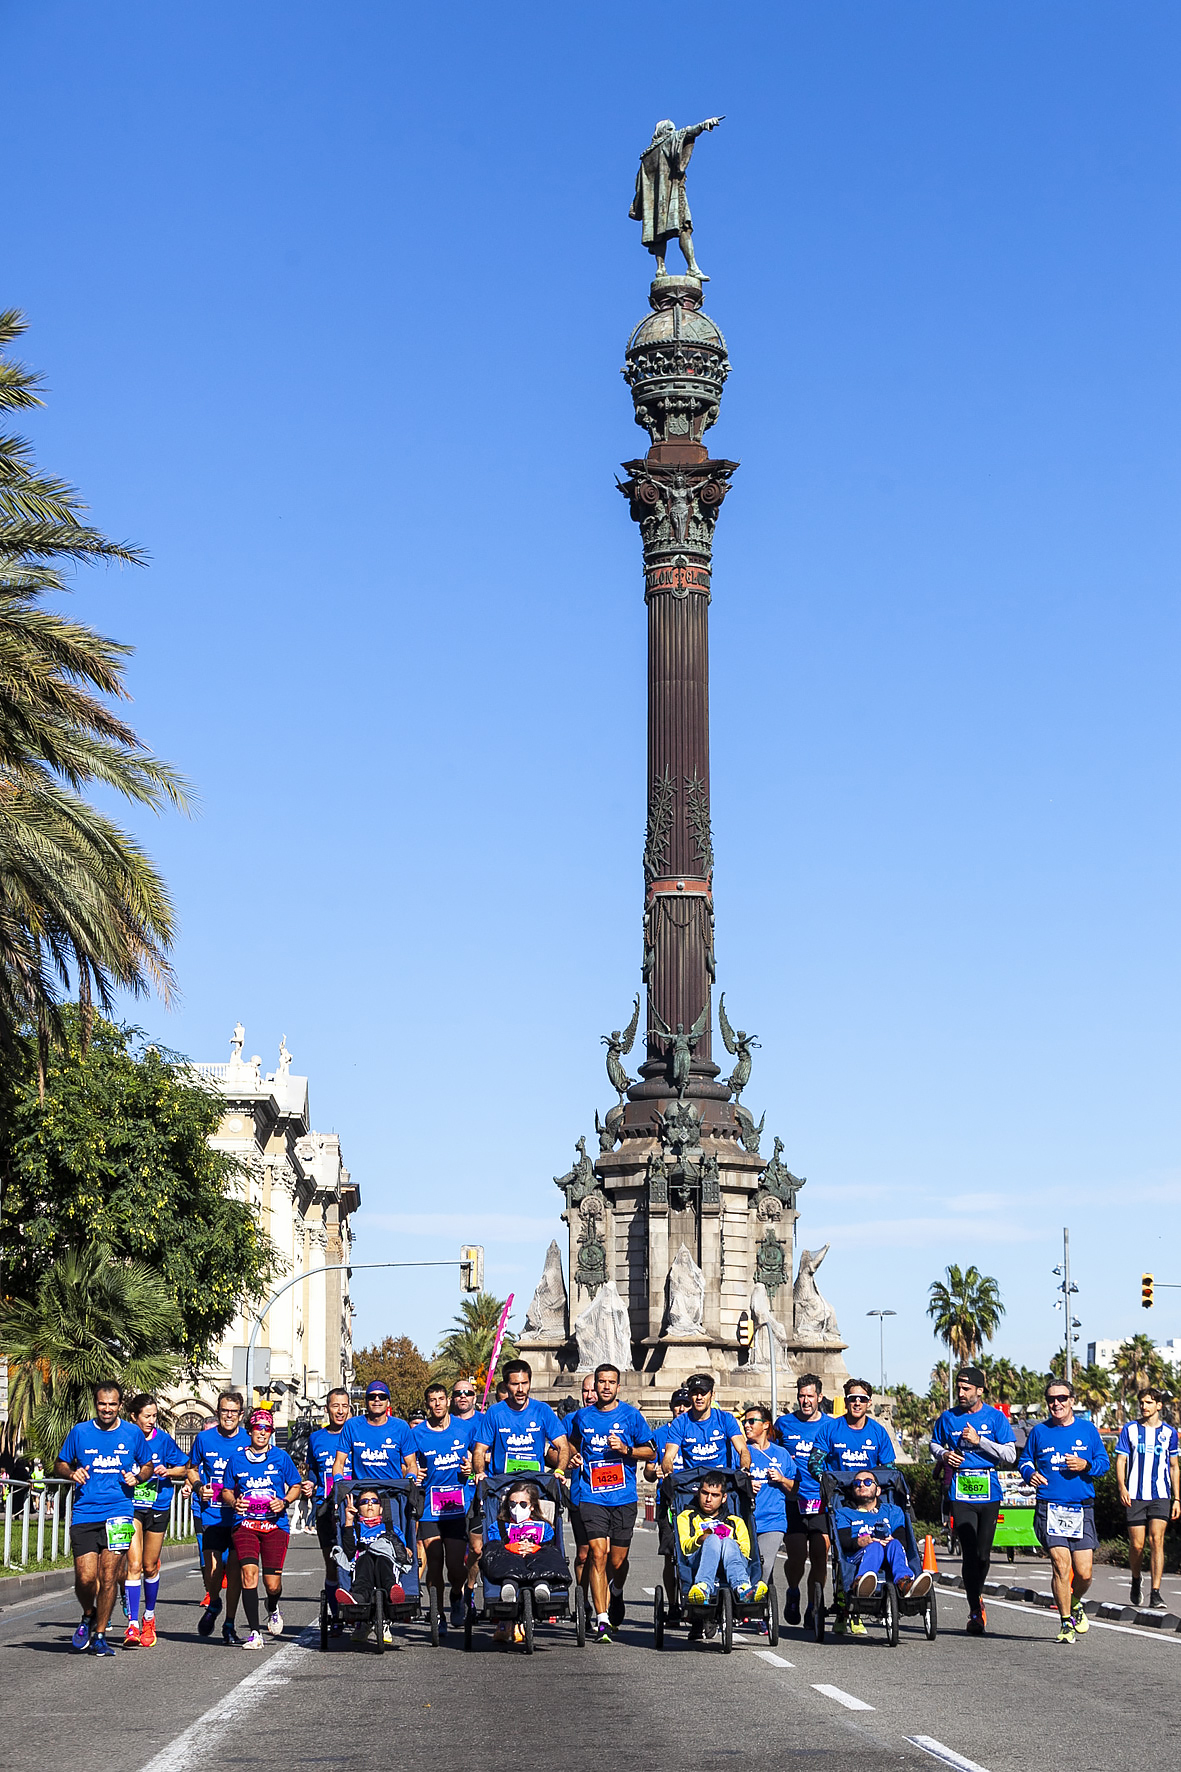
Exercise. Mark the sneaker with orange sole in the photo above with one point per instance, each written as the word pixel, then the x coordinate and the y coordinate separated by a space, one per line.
pixel 147 1634
pixel 131 1637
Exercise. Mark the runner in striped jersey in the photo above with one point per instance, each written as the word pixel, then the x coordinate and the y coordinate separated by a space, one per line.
pixel 1148 1470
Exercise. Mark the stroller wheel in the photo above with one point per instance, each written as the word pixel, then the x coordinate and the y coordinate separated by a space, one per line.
pixel 658 1619
pixel 726 1622
pixel 433 1616
pixel 772 1616
pixel 890 1613
pixel 527 1619
pixel 580 1617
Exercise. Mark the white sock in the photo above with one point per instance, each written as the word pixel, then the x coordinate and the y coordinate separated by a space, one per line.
pixel 600 1618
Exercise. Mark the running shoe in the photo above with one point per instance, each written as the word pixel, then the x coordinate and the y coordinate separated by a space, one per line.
pixel 1136 1590
pixel 387 1636
pixel 1079 1619
pixel 444 1630
pixel 508 1592
pixel 674 1619
pixel 252 1640
pixel 209 1617
pixel 616 1609
pixel 344 1597
pixel 697 1594
pixel 839 1624
pixel 601 1634
pixel 360 1632
pixel 696 1631
pixel 100 1646
pixel 275 1623
pixel 230 1637
pixel 458 1614
pixel 1067 1633
pixel 857 1628
pixel 1155 1600
pixel 791 1606
pixel 81 1637
pixel 398 1594
pixel 919 1588
pixel 975 1624
pixel 131 1638
pixel 147 1633
pixel 867 1585
pixel 541 1593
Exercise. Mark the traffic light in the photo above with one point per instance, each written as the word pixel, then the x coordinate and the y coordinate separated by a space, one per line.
pixel 471 1267
pixel 1146 1291
pixel 746 1329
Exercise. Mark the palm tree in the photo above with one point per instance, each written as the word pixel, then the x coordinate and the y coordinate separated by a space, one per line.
pixel 92 1317
pixel 1003 1378
pixel 81 906
pixel 466 1349
pixel 966 1312
pixel 1137 1363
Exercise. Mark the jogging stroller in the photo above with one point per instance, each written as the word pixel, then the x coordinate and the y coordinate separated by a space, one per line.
pixel 718 1614
pixel 525 1610
pixel 400 1505
pixel 887 1606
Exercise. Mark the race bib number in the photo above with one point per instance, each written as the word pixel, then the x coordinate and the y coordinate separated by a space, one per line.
pixel 446 1501
pixel 1064 1520
pixel 512 1465
pixel 144 1495
pixel 120 1533
pixel 972 1485
pixel 258 1506
pixel 215 1490
pixel 809 1504
pixel 606 1476
pixel 529 1534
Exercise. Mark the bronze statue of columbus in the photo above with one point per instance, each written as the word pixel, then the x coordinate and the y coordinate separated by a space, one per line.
pixel 660 202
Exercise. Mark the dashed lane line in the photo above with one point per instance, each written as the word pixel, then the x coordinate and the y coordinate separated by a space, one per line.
pixel 775 1660
pixel 948 1755
pixel 194 1745
pixel 839 1697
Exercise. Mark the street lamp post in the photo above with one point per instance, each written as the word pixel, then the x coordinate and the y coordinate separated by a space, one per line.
pixel 881 1317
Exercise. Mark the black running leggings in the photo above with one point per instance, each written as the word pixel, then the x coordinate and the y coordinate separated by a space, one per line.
pixel 975 1527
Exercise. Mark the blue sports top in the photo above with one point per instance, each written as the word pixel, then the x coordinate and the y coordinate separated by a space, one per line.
pixel 1046 1449
pixel 660 1441
pixel 770 1500
pixel 517 1438
pixel 845 1448
pixel 883 1521
pixel 258 1476
pixel 800 1438
pixel 606 1478
pixel 211 1453
pixel 1149 1452
pixel 104 1453
pixel 991 1424
pixel 165 1454
pixel 374 1449
pixel 440 1451
pixel 708 1443
pixel 323 1445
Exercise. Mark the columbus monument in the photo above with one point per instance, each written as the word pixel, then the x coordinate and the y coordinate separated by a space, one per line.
pixel 681 1223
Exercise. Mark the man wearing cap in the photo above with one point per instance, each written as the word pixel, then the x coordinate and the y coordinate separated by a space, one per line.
pixel 666 1541
pixel 707 1438
pixel 374 1446
pixel 968 1444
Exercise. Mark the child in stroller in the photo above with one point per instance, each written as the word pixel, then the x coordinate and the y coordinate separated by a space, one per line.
pixel 520 1547
pixel 371 1555
pixel 714 1540
pixel 867 1529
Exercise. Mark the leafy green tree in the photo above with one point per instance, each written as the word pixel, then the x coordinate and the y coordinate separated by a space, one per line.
pixel 966 1310
pixel 118 1155
pixel 912 1414
pixel 92 1317
pixel 466 1349
pixel 1003 1378
pixel 1137 1363
pixel 399 1363
pixel 81 906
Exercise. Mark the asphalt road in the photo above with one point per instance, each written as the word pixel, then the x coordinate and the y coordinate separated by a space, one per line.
pixel 1011 1701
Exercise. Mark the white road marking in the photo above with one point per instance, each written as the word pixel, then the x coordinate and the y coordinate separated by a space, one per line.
pixel 948 1755
pixel 651 1591
pixel 834 1692
pixel 1146 1634
pixel 775 1660
pixel 193 1746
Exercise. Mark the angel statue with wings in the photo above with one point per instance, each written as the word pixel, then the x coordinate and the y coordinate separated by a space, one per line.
pixel 682 1047
pixel 618 1045
pixel 741 1044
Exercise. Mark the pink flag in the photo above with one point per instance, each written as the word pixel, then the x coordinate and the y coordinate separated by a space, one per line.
pixel 496 1350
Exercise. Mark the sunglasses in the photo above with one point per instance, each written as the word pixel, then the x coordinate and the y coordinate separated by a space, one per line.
pixel 857 1397
pixel 463 1393
pixel 754 1420
pixel 1052 1400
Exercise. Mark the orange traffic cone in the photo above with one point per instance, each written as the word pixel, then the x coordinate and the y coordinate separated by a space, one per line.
pixel 929 1554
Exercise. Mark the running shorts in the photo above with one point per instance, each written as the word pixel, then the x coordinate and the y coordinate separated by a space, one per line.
pixel 88 1537
pixel 1140 1512
pixel 218 1537
pixel 800 1523
pixel 326 1531
pixel 614 1523
pixel 1087 1540
pixel 449 1528
pixel 153 1519
pixel 267 1548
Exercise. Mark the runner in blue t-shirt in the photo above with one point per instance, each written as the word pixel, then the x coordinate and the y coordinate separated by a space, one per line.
pixel 852 1442
pixel 209 1455
pixel 968 1444
pixel 581 1543
pixel 707 1438
pixel 611 1438
pixel 153 1510
pixel 516 1434
pixel 441 1450
pixel 263 1482
pixel 323 1445
pixel 666 1531
pixel 774 1478
pixel 106 1457
pixel 801 1432
pixel 1062 1457
pixel 463 1409
pixel 374 1446
pixel 1148 1471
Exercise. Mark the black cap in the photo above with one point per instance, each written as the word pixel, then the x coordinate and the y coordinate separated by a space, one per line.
pixel 680 1399
pixel 973 1375
pixel 700 1385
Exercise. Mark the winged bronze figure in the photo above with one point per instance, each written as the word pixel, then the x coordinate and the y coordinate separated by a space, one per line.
pixel 617 1045
pixel 741 1044
pixel 682 1046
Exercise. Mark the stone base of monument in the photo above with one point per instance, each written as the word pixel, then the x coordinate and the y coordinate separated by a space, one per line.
pixel 663 1366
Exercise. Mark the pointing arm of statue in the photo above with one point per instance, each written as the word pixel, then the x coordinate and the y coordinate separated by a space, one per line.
pixel 696 129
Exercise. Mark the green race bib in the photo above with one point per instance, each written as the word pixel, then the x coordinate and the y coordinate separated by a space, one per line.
pixel 144 1495
pixel 512 1465
pixel 972 1485
pixel 120 1533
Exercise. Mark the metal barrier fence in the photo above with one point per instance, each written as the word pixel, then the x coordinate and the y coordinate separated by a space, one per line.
pixel 37 1521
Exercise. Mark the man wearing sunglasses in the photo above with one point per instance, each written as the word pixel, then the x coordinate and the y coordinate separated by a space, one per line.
pixel 852 1441
pixel 1062 1457
pixel 323 1445
pixel 463 1408
pixel 869 1529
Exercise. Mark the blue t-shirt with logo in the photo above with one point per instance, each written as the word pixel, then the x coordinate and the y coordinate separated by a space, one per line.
pixel 165 1454
pixel 104 1454
pixel 257 1476
pixel 211 1453
pixel 660 1441
pixel 843 1447
pixel 607 1478
pixel 705 1444
pixel 991 1424
pixel 801 1439
pixel 1049 1445
pixel 517 1438
pixel 323 1445
pixel 881 1522
pixel 440 1452
pixel 770 1499
pixel 374 1449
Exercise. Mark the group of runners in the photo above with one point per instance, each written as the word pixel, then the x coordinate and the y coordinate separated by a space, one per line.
pixel 124 1467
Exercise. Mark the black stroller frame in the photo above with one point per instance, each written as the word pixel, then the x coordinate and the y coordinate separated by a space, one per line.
pixel 887 1606
pixel 401 1501
pixel 719 1614
pixel 566 1605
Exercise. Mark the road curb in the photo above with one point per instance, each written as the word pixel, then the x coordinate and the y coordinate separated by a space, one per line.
pixel 1108 1610
pixel 56 1581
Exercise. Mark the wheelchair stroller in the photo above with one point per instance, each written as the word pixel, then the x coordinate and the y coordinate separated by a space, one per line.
pixel 719 1614
pixel 400 1504
pixel 886 1606
pixel 566 1602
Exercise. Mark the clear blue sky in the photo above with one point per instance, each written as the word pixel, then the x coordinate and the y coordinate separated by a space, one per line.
pixel 332 303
